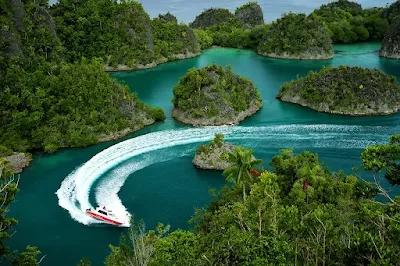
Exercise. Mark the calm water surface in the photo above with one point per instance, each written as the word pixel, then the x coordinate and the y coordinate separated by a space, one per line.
pixel 152 176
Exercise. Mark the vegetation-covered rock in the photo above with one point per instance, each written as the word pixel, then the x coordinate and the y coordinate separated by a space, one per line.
pixel 214 96
pixel 345 90
pixel 348 22
pixel 250 15
pixel 18 161
pixel 393 12
pixel 211 17
pixel 121 33
pixel 297 36
pixel 174 41
pixel 391 43
pixel 168 17
pixel 245 29
pixel 213 155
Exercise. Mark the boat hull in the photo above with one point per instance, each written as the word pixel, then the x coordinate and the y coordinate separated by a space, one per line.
pixel 102 218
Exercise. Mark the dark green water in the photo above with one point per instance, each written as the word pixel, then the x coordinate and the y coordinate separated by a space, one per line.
pixel 154 171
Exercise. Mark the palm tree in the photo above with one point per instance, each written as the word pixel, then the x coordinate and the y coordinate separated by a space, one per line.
pixel 239 173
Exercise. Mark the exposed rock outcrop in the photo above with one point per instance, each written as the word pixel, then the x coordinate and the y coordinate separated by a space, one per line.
pixel 211 17
pixel 250 15
pixel 391 44
pixel 19 161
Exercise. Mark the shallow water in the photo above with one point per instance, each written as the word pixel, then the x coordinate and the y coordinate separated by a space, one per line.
pixel 152 175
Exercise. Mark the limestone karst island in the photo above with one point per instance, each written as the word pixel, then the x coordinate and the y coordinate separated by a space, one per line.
pixel 183 133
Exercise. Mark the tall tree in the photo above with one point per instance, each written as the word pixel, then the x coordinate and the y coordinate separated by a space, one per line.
pixel 239 173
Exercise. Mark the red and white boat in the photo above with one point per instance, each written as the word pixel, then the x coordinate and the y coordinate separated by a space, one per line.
pixel 104 215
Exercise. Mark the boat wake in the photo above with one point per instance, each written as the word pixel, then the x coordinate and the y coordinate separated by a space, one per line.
pixel 106 172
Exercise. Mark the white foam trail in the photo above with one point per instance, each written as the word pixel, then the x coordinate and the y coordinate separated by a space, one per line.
pixel 75 189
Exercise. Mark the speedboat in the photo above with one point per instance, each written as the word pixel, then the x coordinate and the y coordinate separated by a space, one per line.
pixel 104 215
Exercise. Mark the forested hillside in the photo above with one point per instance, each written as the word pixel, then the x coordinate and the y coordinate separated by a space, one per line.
pixel 121 33
pixel 297 36
pixel 46 102
pixel 349 23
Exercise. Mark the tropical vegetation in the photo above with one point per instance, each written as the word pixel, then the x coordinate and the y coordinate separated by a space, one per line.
pixel 348 22
pixel 297 213
pixel 121 33
pixel 47 103
pixel 213 96
pixel 244 29
pixel 297 36
pixel 345 90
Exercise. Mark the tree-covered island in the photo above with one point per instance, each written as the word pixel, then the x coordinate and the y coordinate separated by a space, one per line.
pixel 217 154
pixel 344 90
pixel 297 36
pixel 213 96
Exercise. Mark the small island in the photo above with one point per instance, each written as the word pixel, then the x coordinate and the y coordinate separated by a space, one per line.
pixel 344 90
pixel 213 155
pixel 391 43
pixel 214 96
pixel 297 36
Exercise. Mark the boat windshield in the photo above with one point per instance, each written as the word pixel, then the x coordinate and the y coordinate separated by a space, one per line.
pixel 103 212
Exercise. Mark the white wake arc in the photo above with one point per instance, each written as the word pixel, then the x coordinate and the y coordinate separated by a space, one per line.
pixel 74 192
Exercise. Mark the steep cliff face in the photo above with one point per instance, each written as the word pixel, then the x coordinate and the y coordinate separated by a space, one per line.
pixel 353 91
pixel 250 15
pixel 391 43
pixel 211 17
pixel 133 38
pixel 297 36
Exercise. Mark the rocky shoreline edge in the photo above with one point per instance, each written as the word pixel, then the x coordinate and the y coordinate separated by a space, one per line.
pixel 179 115
pixel 175 57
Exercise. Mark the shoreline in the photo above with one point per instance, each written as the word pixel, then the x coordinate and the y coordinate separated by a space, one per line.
pixel 341 113
pixel 160 61
pixel 180 116
pixel 293 57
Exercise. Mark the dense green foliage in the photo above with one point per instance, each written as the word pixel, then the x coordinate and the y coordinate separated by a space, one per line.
pixel 121 33
pixel 377 158
pixel 205 40
pixel 243 160
pixel 8 191
pixel 71 105
pixel 349 23
pixel 345 90
pixel 391 43
pixel 301 213
pixel 245 29
pixel 297 36
pixel 172 38
pixel 393 12
pixel 46 103
pixel 214 92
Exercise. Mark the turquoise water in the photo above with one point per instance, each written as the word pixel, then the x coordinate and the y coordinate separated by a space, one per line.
pixel 152 175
